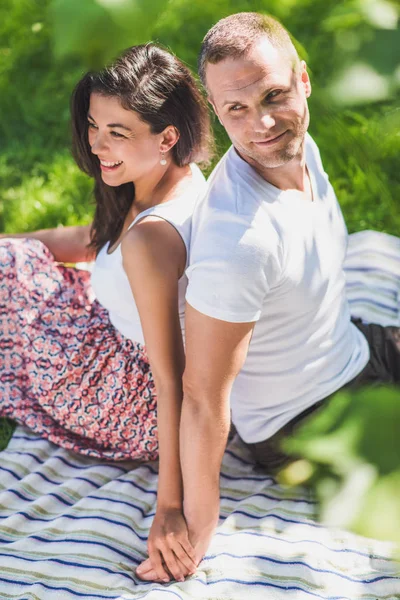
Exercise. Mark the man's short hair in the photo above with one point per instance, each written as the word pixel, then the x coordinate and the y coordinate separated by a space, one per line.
pixel 235 35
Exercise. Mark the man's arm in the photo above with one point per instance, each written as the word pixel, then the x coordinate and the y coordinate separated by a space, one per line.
pixel 215 353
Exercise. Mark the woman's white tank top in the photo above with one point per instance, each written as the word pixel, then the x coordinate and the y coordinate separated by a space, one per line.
pixel 109 280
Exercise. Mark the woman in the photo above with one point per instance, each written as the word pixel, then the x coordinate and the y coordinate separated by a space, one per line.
pixel 103 377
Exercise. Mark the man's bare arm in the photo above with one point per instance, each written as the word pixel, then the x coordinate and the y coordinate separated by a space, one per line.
pixel 215 353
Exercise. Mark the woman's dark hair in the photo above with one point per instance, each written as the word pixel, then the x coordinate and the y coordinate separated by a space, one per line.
pixel 161 90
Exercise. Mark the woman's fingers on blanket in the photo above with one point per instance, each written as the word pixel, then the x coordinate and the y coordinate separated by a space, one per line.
pixel 187 556
pixel 175 567
pixel 156 561
pixel 169 547
pixel 147 571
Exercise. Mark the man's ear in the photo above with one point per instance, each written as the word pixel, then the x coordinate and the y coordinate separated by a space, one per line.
pixel 305 79
pixel 210 100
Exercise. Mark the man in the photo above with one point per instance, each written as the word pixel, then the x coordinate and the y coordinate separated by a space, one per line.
pixel 268 329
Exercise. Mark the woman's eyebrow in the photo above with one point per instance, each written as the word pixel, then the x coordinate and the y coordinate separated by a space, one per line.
pixel 119 125
pixel 113 124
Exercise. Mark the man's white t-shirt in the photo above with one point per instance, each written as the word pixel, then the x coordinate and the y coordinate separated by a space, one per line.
pixel 260 254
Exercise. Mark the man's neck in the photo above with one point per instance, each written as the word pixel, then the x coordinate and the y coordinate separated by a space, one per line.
pixel 290 176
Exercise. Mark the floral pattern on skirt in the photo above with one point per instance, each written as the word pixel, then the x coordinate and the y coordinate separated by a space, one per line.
pixel 65 371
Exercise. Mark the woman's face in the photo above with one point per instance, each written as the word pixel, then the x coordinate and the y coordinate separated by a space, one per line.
pixel 124 145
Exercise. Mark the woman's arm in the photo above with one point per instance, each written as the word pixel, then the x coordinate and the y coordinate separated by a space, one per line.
pixel 154 257
pixel 67 244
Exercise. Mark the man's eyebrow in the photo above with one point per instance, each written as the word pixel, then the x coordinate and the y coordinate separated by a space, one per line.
pixel 264 93
pixel 231 102
pixel 113 124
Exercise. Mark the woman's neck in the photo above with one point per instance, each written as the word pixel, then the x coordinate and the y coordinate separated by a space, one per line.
pixel 158 189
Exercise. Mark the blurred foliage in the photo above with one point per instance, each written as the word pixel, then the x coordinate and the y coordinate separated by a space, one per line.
pixel 368 33
pixel 349 453
pixel 352 48
pixel 97 30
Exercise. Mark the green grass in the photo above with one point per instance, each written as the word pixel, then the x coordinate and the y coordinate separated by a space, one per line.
pixel 6 429
pixel 42 191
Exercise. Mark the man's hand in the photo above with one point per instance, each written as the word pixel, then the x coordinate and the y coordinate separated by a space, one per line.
pixel 201 536
pixel 170 551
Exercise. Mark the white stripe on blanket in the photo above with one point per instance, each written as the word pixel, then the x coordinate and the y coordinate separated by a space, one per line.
pixel 73 527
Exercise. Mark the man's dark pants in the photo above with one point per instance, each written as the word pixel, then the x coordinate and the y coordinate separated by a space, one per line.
pixel 383 367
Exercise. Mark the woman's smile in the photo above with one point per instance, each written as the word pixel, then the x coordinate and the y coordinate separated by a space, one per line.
pixel 109 166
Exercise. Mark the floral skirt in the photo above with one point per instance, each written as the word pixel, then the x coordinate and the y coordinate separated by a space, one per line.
pixel 65 371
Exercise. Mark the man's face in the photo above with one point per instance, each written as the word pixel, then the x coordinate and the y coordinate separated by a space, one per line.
pixel 261 100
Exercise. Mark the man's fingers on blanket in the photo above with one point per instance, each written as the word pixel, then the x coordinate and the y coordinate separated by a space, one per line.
pixel 152 576
pixel 144 568
pixel 148 573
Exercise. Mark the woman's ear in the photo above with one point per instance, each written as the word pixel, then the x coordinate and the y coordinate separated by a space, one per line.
pixel 169 138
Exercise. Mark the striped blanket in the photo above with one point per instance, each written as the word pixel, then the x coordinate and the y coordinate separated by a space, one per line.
pixel 73 527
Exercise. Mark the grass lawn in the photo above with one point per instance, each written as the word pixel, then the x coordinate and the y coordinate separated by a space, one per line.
pixel 6 429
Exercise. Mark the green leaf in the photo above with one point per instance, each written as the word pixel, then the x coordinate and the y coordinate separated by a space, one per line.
pixel 349 452
pixel 98 30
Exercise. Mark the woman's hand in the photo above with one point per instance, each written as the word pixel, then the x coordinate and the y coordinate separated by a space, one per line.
pixel 66 244
pixel 200 538
pixel 170 551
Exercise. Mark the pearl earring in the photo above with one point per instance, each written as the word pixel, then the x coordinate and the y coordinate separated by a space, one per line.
pixel 163 162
